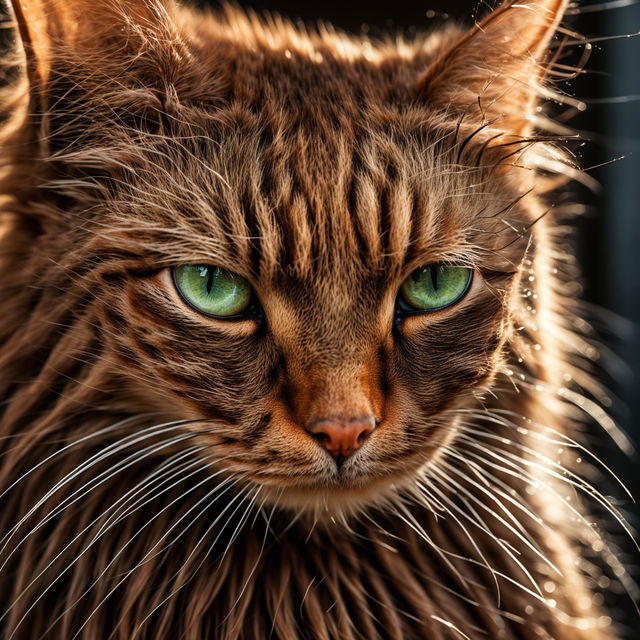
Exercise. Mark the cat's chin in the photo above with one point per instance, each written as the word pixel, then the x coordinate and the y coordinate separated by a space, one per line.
pixel 339 499
pixel 335 492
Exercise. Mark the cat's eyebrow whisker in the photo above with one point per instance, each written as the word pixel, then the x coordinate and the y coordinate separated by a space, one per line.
pixel 599 6
pixel 126 154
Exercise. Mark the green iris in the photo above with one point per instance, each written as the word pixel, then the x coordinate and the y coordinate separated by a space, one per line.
pixel 434 287
pixel 212 290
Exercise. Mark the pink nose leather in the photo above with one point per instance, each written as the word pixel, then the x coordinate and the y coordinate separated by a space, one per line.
pixel 342 436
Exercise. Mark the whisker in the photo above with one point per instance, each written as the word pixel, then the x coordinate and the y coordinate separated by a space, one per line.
pixel 78 494
pixel 239 497
pixel 109 450
pixel 102 531
pixel 123 548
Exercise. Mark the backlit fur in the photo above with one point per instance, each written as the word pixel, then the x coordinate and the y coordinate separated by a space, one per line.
pixel 157 480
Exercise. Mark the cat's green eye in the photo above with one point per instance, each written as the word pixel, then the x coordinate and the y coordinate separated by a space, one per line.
pixel 213 291
pixel 434 287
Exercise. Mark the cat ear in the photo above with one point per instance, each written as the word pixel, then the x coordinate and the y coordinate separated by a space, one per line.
pixel 494 70
pixel 89 39
pixel 47 27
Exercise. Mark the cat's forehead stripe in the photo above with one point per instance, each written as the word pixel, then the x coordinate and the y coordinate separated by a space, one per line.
pixel 371 204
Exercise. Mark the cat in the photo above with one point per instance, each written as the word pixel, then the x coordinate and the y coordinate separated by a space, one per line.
pixel 288 341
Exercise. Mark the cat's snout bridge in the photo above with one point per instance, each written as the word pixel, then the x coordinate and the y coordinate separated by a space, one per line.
pixel 341 436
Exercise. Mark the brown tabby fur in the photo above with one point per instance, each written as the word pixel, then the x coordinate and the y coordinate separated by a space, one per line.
pixel 156 478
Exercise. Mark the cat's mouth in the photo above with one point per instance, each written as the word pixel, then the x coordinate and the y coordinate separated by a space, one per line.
pixel 296 472
pixel 353 483
pixel 340 498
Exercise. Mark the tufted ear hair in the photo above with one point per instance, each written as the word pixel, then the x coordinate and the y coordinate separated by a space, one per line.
pixel 118 59
pixel 91 28
pixel 494 70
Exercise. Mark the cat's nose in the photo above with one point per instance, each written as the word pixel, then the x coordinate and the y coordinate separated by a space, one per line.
pixel 341 436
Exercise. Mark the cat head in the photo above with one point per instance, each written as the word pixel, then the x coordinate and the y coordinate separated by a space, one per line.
pixel 310 247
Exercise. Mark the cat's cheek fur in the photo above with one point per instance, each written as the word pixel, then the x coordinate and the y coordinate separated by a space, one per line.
pixel 445 357
pixel 199 364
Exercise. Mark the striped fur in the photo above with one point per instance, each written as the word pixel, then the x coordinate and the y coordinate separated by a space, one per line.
pixel 156 480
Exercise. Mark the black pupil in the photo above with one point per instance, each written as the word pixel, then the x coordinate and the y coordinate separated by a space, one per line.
pixel 433 273
pixel 434 277
pixel 209 273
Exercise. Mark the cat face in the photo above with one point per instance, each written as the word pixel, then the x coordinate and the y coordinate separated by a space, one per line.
pixel 325 183
pixel 323 238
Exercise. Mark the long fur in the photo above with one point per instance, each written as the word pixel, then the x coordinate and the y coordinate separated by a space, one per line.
pixel 155 479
